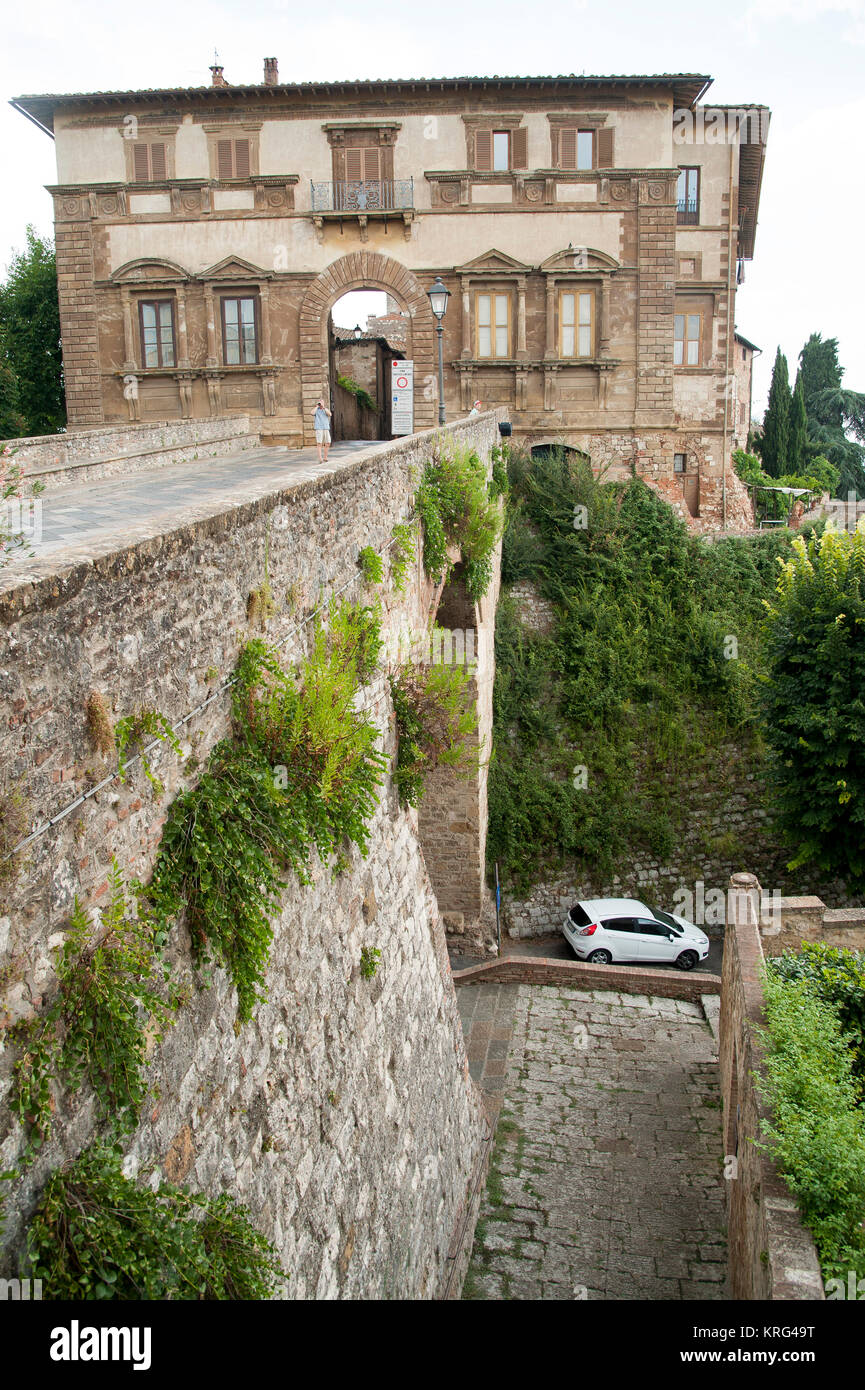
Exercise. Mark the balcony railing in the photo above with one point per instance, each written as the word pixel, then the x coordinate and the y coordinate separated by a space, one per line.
pixel 362 196
pixel 688 212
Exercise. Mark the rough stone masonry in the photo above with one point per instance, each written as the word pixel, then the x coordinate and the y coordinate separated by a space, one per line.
pixel 343 1115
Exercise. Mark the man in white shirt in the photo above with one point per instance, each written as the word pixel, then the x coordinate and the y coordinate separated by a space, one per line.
pixel 321 424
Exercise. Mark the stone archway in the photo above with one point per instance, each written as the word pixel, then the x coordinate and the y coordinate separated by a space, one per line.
pixel 361 270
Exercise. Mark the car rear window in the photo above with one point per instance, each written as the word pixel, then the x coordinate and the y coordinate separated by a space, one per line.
pixel 579 916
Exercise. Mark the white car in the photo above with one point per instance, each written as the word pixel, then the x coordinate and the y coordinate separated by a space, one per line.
pixel 604 930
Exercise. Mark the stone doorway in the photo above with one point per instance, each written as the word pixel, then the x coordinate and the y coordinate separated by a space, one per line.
pixel 365 270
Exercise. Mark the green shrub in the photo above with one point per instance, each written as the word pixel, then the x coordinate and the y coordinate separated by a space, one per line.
pixel 109 1004
pixel 402 553
pixel 360 393
pixel 837 977
pixel 98 1235
pixel 812 702
pixel 371 564
pixel 633 682
pixel 301 773
pixel 816 1133
pixel 456 509
pixel 435 725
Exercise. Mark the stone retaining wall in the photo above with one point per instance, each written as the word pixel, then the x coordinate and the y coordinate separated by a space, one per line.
pixel 772 1255
pixel 343 1115
pixel 87 455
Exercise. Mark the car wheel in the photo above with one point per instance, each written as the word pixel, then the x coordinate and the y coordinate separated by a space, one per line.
pixel 601 958
pixel 687 960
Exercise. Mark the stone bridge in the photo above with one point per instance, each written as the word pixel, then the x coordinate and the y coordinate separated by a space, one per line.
pixel 343 1115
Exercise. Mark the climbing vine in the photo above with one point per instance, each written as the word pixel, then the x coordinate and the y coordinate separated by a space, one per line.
pixel 97 1234
pixel 456 507
pixel 130 733
pixel 402 553
pixel 435 723
pixel 371 565
pixel 301 773
pixel 110 1003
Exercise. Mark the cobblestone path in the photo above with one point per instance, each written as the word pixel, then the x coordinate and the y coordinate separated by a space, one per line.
pixel 605 1180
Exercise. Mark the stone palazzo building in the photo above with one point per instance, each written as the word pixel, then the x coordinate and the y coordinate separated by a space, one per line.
pixel 591 230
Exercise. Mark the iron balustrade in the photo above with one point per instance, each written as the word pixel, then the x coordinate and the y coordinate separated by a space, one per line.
pixel 687 212
pixel 363 195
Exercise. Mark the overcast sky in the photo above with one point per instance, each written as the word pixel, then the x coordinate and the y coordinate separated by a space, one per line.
pixel 803 58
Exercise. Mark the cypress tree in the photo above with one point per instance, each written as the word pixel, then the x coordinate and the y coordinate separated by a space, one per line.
pixel 776 421
pixel 797 450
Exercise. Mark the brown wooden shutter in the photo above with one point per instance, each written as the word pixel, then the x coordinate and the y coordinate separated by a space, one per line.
pixel 371 166
pixel 568 147
pixel 483 150
pixel 520 148
pixel 157 162
pixel 224 163
pixel 605 148
pixel 141 164
pixel 354 165
pixel 241 159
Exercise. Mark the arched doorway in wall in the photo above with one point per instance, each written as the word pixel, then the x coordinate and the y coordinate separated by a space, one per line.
pixel 367 333
pixel 365 270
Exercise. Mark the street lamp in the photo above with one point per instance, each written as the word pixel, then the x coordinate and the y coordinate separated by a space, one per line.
pixel 358 331
pixel 439 294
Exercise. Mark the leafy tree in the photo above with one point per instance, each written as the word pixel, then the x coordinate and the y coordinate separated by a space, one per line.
pixel 12 422
pixel 813 702
pixel 833 413
pixel 797 449
pixel 30 329
pixel 776 421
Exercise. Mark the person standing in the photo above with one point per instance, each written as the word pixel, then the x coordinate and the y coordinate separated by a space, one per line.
pixel 321 424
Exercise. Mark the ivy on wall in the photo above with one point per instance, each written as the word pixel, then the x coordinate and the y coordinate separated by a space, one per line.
pixel 459 507
pixel 97 1234
pixel 301 772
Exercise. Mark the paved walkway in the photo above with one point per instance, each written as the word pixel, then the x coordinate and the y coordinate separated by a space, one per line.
pixel 87 520
pixel 605 1180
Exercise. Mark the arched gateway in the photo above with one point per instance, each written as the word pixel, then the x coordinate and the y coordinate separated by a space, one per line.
pixel 366 270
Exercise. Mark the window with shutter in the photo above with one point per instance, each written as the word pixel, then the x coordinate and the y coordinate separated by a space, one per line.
pixel 520 148
pixel 141 164
pixel 157 162
pixel 156 321
pixel 483 150
pixel 241 159
pixel 501 150
pixel 224 162
pixel 149 162
pixel 605 147
pixel 568 147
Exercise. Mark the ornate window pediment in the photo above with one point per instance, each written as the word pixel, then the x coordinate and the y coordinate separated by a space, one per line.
pixel 235 268
pixel 149 270
pixel 579 260
pixel 493 262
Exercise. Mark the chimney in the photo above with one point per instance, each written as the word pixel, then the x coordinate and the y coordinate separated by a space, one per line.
pixel 216 74
pixel 271 72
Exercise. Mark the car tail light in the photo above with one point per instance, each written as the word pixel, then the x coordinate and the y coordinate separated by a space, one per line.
pixel 587 931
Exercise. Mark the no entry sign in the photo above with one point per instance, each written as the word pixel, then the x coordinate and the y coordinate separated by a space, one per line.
pixel 402 397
